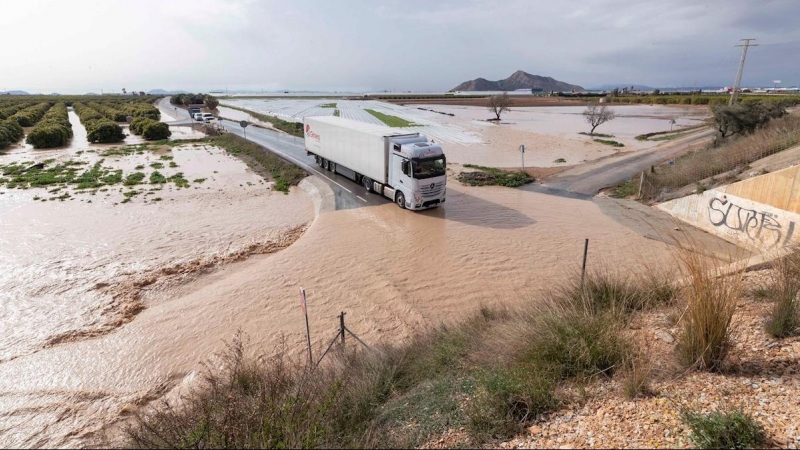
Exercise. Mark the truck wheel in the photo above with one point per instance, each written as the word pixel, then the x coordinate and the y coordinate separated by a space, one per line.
pixel 326 165
pixel 333 167
pixel 367 183
pixel 319 161
pixel 401 200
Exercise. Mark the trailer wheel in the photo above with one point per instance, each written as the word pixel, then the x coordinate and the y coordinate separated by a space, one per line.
pixel 326 165
pixel 319 161
pixel 367 183
pixel 333 167
pixel 401 200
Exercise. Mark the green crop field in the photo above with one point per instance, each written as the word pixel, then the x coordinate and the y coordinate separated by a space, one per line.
pixel 392 121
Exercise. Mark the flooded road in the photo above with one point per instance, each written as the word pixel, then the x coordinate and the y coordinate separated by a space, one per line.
pixel 394 272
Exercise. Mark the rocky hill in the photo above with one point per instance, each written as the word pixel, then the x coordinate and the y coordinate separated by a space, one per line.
pixel 517 80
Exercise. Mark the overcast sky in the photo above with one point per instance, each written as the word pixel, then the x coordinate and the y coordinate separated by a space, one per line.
pixel 77 46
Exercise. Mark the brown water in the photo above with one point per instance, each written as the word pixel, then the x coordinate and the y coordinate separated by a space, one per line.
pixel 394 272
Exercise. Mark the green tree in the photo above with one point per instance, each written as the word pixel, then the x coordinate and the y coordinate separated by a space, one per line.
pixel 211 102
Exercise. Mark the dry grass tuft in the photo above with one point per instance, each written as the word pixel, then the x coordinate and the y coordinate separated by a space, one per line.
pixel 785 287
pixel 707 322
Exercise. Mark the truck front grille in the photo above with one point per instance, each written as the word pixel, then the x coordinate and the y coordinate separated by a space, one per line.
pixel 431 189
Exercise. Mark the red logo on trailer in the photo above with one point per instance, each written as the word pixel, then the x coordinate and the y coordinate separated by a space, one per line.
pixel 310 133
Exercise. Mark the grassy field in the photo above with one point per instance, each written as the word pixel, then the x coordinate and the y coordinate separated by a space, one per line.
pixel 392 121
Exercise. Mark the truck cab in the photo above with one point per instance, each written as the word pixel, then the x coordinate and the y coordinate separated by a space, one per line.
pixel 417 174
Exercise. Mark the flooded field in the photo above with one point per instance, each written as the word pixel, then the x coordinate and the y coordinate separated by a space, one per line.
pixel 81 263
pixel 112 297
pixel 549 133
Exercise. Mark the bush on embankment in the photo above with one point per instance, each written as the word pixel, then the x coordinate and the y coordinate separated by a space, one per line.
pixel 54 130
pixel 492 374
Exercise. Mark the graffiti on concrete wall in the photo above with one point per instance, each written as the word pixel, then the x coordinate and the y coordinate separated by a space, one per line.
pixel 760 226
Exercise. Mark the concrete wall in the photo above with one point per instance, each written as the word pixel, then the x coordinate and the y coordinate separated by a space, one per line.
pixel 744 222
pixel 780 189
pixel 760 213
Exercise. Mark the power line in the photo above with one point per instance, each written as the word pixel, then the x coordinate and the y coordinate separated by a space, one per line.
pixel 738 79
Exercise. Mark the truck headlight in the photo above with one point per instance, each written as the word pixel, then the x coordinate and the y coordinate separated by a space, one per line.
pixel 416 197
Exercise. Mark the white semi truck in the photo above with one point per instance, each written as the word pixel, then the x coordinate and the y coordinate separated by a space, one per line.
pixel 403 167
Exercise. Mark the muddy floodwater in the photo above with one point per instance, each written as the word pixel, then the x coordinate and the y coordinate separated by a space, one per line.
pixel 393 271
pixel 112 298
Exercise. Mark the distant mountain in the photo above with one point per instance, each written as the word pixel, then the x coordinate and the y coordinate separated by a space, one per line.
pixel 163 92
pixel 14 93
pixel 517 80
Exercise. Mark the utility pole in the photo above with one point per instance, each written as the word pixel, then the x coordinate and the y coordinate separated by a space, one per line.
pixel 738 79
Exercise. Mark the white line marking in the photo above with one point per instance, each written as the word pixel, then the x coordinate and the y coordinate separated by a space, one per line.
pixel 359 197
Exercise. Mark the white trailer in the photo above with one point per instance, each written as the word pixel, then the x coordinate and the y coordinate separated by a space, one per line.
pixel 404 167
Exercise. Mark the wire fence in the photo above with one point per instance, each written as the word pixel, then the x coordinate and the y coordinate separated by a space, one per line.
pixel 704 163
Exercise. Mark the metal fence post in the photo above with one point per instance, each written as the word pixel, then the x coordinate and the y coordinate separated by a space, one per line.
pixel 583 268
pixel 341 326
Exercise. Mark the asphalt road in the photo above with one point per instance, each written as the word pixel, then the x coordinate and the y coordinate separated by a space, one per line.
pixel 588 179
pixel 348 194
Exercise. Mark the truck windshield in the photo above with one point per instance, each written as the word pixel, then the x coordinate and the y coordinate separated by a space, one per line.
pixel 428 168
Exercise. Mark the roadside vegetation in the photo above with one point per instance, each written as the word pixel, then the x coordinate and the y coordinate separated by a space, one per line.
pixel 494 375
pixel 208 100
pixel 490 176
pixel 668 135
pixel 392 121
pixel 609 142
pixel 745 135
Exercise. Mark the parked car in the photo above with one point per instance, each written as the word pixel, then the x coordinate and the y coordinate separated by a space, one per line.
pixel 208 117
pixel 198 117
